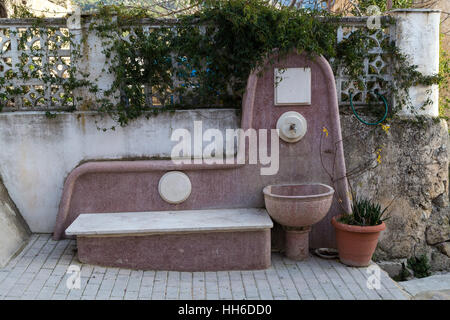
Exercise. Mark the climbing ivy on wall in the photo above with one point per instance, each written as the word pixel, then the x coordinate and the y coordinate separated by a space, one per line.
pixel 205 58
pixel 211 53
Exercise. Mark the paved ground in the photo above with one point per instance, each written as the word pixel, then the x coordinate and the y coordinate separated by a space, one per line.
pixel 40 272
pixel 436 287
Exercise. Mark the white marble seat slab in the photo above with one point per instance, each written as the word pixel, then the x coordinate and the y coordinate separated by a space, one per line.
pixel 90 224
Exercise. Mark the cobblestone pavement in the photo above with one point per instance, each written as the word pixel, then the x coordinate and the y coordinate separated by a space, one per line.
pixel 40 272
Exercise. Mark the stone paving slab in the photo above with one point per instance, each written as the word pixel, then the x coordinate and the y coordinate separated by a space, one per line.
pixel 170 221
pixel 44 268
pixel 432 283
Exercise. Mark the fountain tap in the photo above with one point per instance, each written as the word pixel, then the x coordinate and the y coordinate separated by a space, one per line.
pixel 293 127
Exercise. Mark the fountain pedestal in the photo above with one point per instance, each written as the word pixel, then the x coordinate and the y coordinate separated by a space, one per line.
pixel 297 243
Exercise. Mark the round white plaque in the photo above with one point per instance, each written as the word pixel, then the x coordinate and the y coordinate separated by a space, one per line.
pixel 174 187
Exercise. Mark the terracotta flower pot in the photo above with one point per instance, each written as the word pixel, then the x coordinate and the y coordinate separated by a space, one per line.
pixel 356 244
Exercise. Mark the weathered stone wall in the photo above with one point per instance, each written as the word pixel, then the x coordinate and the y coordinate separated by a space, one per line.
pixel 413 173
pixel 14 231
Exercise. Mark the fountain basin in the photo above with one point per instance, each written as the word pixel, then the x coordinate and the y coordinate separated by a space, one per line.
pixel 297 207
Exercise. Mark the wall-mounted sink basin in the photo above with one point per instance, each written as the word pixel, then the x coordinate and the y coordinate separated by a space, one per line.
pixel 297 207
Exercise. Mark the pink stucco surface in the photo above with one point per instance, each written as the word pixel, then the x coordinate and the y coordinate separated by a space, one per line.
pixel 118 186
pixel 208 251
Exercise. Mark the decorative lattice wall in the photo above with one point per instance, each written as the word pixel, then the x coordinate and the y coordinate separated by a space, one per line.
pixel 34 74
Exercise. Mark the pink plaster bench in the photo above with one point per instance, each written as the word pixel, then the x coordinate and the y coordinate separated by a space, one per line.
pixel 185 240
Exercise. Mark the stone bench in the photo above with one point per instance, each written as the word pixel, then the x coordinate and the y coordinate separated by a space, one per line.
pixel 188 240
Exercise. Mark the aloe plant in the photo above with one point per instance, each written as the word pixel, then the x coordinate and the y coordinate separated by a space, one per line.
pixel 364 213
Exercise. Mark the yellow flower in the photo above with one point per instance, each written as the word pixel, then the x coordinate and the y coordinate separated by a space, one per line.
pixel 385 127
pixel 378 155
pixel 326 131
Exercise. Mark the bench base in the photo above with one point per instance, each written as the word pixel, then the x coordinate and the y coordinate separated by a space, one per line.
pixel 202 251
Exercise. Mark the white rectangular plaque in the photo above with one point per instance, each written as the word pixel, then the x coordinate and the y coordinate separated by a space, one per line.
pixel 292 86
